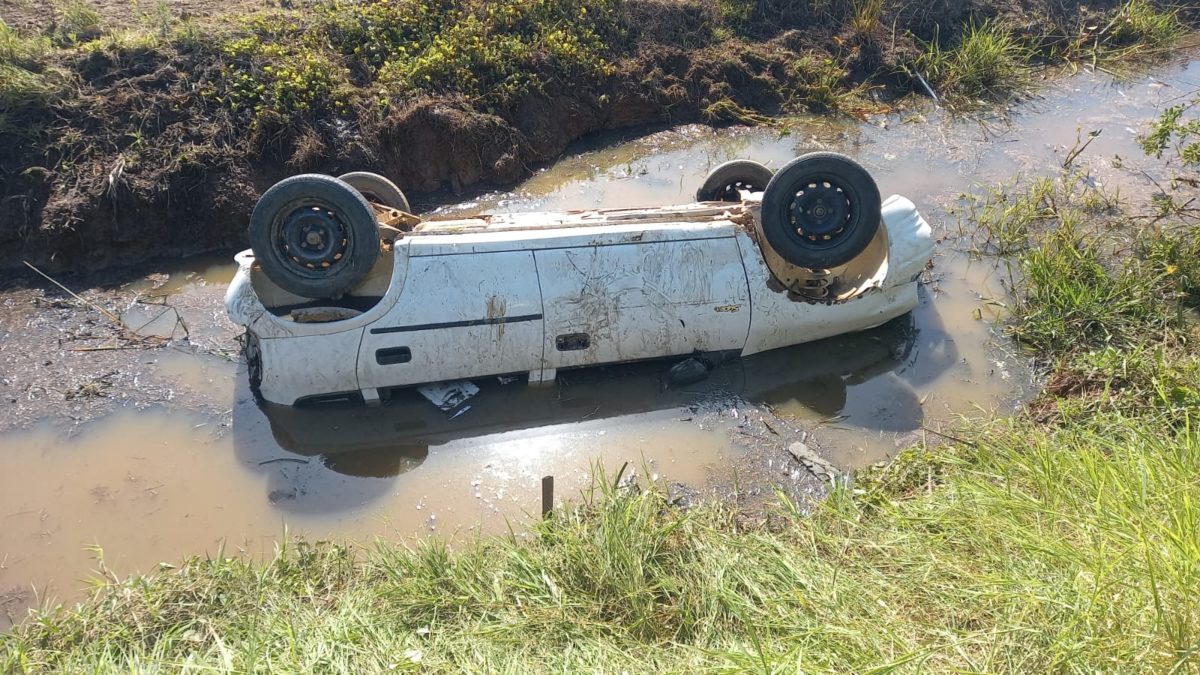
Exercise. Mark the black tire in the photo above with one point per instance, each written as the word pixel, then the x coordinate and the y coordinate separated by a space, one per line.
pixel 724 183
pixel 376 188
pixel 314 235
pixel 821 210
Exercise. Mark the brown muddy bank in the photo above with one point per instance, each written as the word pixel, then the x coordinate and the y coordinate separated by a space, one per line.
pixel 138 162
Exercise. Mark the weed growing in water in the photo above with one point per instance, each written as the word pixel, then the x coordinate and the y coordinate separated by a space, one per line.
pixel 1008 218
pixel 1177 131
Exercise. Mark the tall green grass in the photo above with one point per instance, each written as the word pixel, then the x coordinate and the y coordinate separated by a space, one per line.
pixel 987 62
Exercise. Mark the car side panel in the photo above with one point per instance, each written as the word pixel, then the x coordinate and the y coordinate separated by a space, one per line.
pixel 608 304
pixel 460 316
pixel 310 365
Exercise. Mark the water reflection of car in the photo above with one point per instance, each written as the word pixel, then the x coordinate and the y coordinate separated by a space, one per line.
pixel 762 261
pixel 396 436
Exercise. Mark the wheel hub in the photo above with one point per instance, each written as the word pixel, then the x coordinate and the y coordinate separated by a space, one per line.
pixel 314 237
pixel 820 211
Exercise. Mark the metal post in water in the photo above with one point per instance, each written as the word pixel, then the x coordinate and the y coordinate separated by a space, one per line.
pixel 547 495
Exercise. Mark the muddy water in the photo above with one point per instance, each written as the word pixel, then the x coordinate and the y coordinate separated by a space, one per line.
pixel 208 467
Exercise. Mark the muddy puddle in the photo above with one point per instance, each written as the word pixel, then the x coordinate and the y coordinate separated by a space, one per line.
pixel 157 453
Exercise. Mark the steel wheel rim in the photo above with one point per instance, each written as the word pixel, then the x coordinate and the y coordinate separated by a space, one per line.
pixel 820 212
pixel 312 238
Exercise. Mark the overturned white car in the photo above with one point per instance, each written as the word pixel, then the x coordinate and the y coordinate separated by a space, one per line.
pixel 347 295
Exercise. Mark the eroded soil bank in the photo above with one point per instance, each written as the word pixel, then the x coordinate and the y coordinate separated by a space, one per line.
pixel 117 148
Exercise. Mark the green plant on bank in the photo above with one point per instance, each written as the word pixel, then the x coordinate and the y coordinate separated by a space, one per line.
pixel 1109 313
pixel 988 62
pixel 1074 301
pixel 1139 23
pixel 1138 29
pixel 27 86
pixel 494 52
pixel 819 82
pixel 275 83
pixel 866 16
pixel 490 50
pixel 739 15
pixel 76 21
pixel 1032 550
pixel 160 19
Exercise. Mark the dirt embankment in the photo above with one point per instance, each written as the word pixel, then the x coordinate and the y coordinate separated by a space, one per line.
pixel 137 157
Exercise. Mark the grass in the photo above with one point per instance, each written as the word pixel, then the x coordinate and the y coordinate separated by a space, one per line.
pixel 1036 550
pixel 1143 26
pixel 1105 295
pixel 76 21
pixel 27 85
pixel 867 16
pixel 1085 283
pixel 988 62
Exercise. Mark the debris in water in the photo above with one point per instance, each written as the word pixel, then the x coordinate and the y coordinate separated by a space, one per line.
pixel 449 395
pixel 687 372
pixel 812 461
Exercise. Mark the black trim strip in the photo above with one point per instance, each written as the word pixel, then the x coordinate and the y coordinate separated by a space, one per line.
pixel 457 324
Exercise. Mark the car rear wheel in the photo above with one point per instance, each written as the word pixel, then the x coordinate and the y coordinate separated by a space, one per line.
pixel 821 210
pixel 726 182
pixel 377 189
pixel 314 235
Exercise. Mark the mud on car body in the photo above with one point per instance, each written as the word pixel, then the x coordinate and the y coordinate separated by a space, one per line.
pixel 347 295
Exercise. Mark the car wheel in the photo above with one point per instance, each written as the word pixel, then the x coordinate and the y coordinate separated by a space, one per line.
pixel 314 235
pixel 726 182
pixel 376 188
pixel 821 210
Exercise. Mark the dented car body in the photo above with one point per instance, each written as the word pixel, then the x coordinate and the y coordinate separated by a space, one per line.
pixel 533 294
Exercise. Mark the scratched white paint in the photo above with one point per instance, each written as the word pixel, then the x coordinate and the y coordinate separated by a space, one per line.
pixel 644 301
